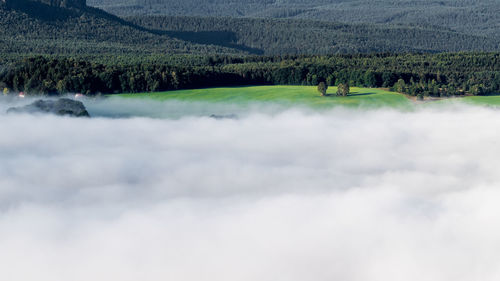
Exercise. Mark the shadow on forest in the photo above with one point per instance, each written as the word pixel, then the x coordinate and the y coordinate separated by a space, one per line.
pixel 49 13
pixel 218 38
pixel 42 11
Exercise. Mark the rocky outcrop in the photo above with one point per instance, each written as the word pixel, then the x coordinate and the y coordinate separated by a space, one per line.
pixel 227 116
pixel 61 107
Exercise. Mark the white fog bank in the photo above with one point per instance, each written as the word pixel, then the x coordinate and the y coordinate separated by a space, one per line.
pixel 292 196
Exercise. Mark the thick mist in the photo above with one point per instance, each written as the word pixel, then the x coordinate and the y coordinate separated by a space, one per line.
pixel 273 195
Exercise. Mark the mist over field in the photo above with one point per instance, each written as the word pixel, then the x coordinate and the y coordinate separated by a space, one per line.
pixel 277 194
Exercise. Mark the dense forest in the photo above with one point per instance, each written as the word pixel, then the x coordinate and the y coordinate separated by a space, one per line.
pixel 40 29
pixel 91 34
pixel 284 36
pixel 414 74
pixel 467 16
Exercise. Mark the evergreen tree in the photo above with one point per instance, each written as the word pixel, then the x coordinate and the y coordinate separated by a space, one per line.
pixel 322 87
pixel 343 89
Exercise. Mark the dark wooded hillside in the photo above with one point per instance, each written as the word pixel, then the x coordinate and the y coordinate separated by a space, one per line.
pixel 33 28
pixel 480 17
pixel 285 36
pixel 37 28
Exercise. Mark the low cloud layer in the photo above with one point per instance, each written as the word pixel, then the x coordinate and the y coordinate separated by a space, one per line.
pixel 293 195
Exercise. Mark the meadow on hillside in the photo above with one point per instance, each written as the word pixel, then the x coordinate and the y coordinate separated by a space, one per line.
pixel 286 95
pixel 305 96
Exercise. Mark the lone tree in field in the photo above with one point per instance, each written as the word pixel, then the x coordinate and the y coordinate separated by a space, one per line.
pixel 343 89
pixel 322 87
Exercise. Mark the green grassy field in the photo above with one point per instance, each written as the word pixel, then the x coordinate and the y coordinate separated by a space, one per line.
pixel 292 95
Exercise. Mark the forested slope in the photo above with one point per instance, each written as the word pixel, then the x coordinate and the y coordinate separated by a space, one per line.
pixel 469 16
pixel 41 29
pixel 285 36
pixel 90 32
pixel 33 28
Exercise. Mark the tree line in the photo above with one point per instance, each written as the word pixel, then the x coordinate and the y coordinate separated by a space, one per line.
pixel 413 74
